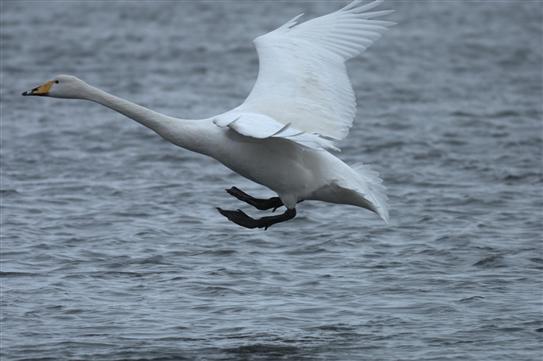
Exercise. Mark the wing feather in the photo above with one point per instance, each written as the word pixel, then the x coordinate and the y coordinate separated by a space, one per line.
pixel 302 78
pixel 261 126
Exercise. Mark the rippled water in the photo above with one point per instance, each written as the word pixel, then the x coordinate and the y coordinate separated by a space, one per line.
pixel 111 245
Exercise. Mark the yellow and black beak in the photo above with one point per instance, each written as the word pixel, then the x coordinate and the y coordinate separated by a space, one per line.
pixel 40 90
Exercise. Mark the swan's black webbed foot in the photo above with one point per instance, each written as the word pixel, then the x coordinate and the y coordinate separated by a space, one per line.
pixel 258 203
pixel 242 219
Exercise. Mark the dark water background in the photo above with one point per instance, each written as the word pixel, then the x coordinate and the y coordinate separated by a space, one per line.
pixel 111 245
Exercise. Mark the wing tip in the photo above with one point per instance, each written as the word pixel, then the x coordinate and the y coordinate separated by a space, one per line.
pixel 354 5
pixel 292 22
pixel 359 6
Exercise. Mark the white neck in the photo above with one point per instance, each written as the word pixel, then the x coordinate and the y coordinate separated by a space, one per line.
pixel 190 134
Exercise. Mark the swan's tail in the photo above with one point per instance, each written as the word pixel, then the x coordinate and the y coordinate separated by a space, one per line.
pixel 370 187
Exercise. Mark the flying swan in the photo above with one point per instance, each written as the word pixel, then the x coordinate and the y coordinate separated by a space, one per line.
pixel 280 137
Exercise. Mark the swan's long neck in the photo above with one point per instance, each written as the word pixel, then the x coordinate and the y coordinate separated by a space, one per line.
pixel 142 115
pixel 191 134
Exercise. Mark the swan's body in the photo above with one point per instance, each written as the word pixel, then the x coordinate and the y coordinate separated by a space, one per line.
pixel 302 102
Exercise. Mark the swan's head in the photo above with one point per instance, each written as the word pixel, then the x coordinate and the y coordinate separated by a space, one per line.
pixel 62 86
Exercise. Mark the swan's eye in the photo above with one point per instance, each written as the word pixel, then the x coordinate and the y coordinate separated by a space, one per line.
pixel 56 82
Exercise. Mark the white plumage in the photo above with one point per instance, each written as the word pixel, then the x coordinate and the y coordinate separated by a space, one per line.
pixel 302 79
pixel 261 126
pixel 280 135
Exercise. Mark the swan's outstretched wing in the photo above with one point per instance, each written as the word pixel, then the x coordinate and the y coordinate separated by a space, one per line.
pixel 302 80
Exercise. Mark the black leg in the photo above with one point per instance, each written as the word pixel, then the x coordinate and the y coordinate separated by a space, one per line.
pixel 258 203
pixel 242 219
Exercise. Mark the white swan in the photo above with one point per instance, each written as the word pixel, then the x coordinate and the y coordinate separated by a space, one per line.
pixel 279 137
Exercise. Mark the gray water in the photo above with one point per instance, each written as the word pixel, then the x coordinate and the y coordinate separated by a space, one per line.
pixel 111 245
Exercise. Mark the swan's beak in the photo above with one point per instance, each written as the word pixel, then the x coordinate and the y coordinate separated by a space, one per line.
pixel 41 90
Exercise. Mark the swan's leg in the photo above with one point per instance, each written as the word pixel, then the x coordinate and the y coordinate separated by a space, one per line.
pixel 242 219
pixel 258 203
